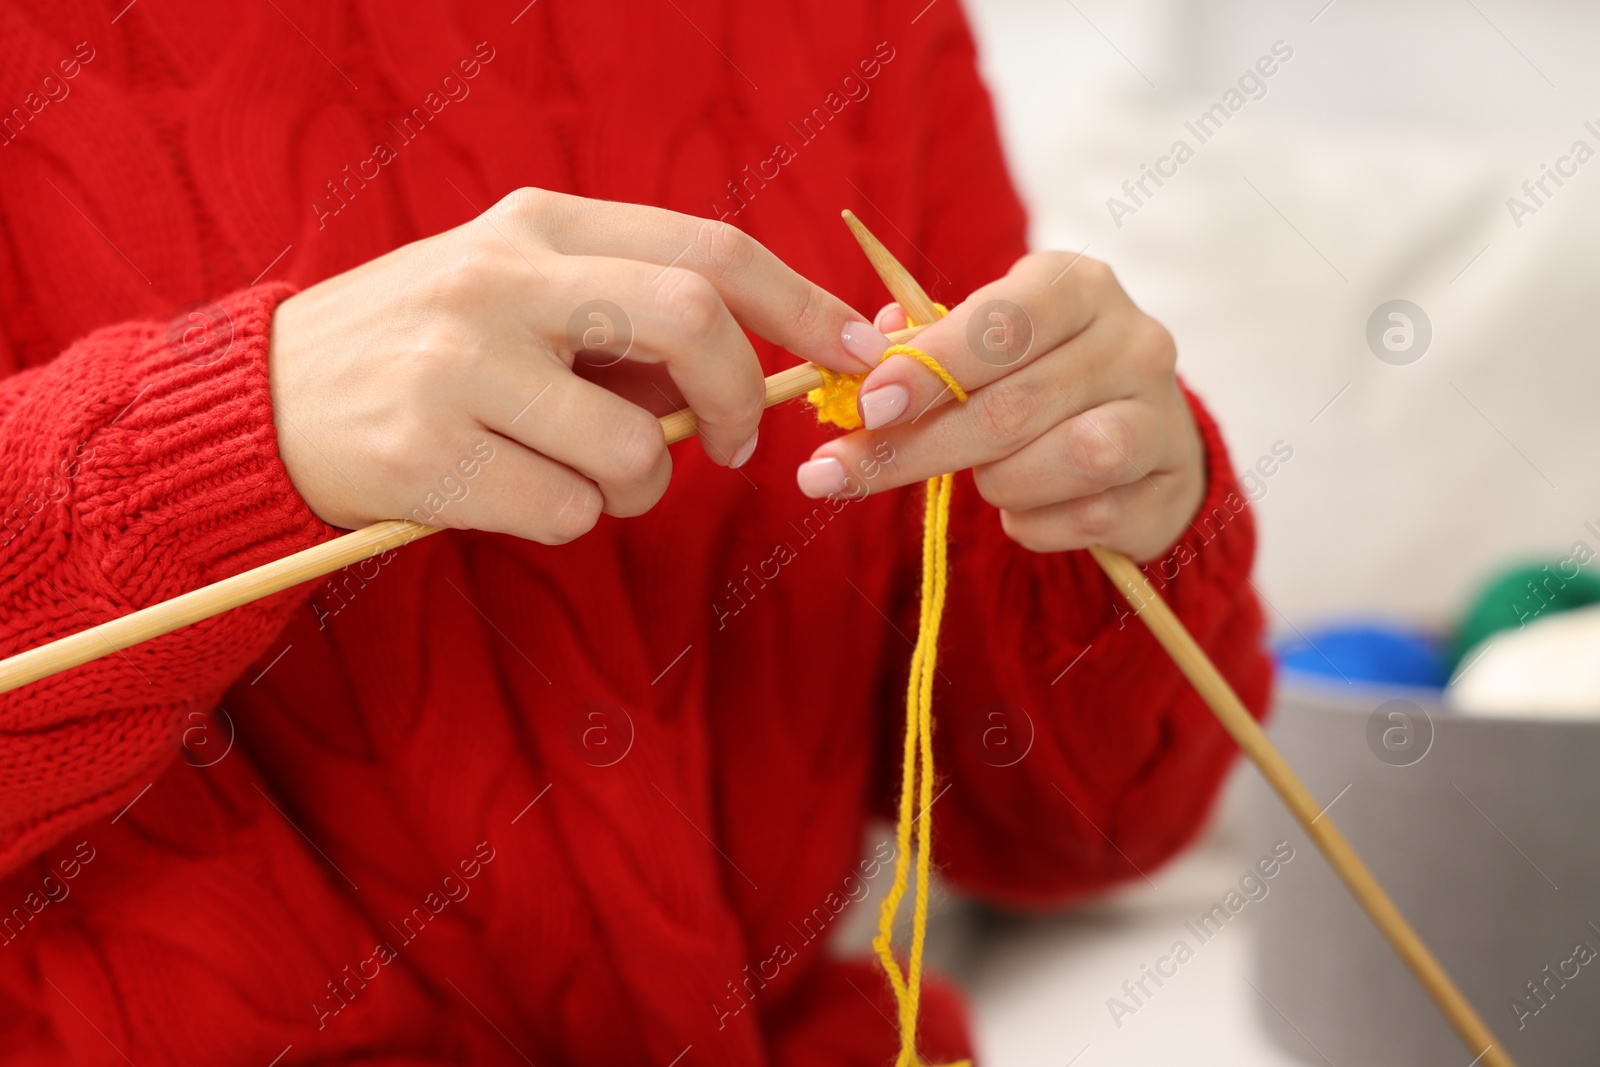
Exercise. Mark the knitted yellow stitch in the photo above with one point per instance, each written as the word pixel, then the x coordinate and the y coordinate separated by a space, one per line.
pixel 835 398
pixel 836 403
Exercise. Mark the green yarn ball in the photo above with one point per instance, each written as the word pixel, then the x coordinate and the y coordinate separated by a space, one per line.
pixel 1520 595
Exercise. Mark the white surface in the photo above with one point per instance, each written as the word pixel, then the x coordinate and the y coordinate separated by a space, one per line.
pixel 1377 166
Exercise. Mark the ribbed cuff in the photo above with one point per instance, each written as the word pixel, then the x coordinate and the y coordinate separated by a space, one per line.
pixel 1214 551
pixel 185 484
pixel 1218 545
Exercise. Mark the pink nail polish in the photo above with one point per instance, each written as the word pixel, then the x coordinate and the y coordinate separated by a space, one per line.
pixel 863 342
pixel 746 450
pixel 821 477
pixel 883 405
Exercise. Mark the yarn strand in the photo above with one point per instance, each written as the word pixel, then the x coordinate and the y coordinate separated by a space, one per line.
pixel 835 402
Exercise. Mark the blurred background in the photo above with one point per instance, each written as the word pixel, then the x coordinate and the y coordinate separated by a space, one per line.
pixel 1373 165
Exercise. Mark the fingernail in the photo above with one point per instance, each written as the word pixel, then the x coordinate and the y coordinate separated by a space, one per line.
pixel 821 477
pixel 883 405
pixel 746 450
pixel 864 342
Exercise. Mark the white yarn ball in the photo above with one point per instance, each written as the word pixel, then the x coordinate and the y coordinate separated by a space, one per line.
pixel 1550 667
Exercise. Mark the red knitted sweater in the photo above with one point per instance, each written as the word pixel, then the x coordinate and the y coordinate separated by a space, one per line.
pixel 484 801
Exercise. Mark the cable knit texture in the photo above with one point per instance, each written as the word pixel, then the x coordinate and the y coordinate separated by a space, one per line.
pixel 482 801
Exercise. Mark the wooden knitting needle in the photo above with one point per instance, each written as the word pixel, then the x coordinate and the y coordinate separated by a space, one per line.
pixel 1131 582
pixel 186 609
pixel 1192 661
pixel 910 295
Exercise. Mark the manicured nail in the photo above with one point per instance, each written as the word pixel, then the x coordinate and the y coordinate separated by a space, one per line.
pixel 865 343
pixel 883 405
pixel 746 450
pixel 821 477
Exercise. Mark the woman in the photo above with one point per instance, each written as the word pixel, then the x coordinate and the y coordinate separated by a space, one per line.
pixel 586 780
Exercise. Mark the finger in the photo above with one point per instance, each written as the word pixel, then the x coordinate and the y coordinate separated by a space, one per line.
pixel 1114 444
pixel 760 289
pixel 890 317
pixel 589 429
pixel 515 490
pixel 996 421
pixel 1122 519
pixel 996 331
pixel 675 317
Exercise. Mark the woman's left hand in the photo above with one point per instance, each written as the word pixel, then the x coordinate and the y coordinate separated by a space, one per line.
pixel 1075 427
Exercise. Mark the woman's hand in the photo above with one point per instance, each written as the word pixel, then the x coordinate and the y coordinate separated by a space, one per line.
pixel 1075 427
pixel 458 380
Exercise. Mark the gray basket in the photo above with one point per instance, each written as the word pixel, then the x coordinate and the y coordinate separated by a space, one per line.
pixel 1485 831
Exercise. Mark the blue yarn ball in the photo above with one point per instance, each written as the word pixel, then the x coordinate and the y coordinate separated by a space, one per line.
pixel 1368 652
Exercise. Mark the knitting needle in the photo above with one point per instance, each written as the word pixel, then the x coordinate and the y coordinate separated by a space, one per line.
pixel 1192 661
pixel 188 608
pixel 1251 738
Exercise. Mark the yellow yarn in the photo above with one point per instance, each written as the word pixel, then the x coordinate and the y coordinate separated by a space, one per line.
pixel 835 398
pixel 916 775
pixel 835 402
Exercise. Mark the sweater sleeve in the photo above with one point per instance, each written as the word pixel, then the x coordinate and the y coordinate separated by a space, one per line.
pixel 139 464
pixel 1077 755
pixel 1074 752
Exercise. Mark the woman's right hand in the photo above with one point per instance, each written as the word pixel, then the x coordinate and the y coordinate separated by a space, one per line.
pixel 393 381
